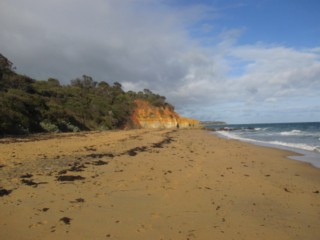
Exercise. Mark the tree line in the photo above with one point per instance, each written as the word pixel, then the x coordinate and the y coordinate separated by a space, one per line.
pixel 33 106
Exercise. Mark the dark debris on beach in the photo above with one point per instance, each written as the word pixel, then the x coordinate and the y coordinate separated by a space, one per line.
pixel 27 175
pixel 76 167
pixel 4 192
pixel 99 163
pixel 100 155
pixel 78 200
pixel 68 178
pixel 31 182
pixel 66 220
pixel 167 140
pixel 132 152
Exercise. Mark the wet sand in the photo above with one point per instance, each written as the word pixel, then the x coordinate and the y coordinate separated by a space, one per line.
pixel 154 184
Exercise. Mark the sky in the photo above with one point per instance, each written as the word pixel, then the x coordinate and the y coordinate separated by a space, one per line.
pixel 238 61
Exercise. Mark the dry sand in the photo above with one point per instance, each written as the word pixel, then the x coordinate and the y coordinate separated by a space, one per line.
pixel 154 184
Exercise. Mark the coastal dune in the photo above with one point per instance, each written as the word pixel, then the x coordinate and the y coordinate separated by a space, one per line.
pixel 154 184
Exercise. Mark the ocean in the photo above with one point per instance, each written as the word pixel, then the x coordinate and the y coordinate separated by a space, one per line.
pixel 303 138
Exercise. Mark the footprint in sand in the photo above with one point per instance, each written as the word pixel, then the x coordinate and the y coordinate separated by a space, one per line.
pixel 38 224
pixel 66 220
pixel 155 215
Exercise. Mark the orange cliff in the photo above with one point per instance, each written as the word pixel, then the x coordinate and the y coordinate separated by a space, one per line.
pixel 146 115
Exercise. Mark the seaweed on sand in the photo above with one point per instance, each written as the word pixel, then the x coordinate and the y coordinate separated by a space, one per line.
pixel 4 192
pixel 68 178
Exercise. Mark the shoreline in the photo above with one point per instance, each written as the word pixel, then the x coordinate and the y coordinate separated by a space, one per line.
pixel 301 155
pixel 146 184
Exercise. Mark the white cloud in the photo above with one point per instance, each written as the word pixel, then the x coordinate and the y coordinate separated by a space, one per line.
pixel 276 84
pixel 278 71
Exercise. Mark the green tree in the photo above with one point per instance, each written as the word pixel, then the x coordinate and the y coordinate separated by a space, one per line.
pixel 28 105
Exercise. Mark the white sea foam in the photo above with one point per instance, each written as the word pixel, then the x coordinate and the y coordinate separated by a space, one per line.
pixel 302 138
pixel 300 133
pixel 235 136
pixel 292 133
pixel 260 129
pixel 275 143
pixel 297 145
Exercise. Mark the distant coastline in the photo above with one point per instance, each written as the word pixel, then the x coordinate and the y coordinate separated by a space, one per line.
pixel 210 123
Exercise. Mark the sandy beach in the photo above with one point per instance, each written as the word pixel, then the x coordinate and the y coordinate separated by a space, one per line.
pixel 154 184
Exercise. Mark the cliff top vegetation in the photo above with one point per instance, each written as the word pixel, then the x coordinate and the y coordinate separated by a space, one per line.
pixel 32 106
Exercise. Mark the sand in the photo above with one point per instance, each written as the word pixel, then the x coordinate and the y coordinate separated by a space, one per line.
pixel 154 184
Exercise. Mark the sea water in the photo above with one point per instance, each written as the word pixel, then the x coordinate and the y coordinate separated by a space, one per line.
pixel 303 138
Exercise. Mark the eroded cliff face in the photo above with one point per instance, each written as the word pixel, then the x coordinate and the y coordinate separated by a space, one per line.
pixel 147 116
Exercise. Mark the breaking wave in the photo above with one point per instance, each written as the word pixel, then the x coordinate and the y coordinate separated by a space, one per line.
pixel 301 146
pixel 292 133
